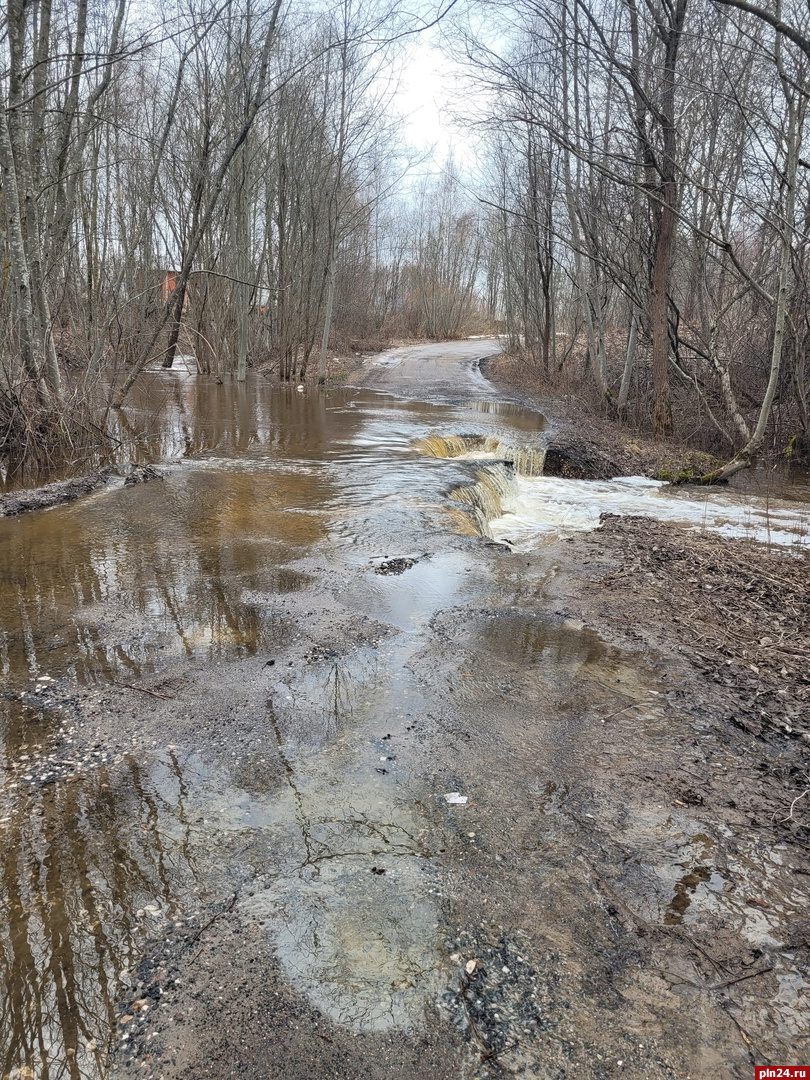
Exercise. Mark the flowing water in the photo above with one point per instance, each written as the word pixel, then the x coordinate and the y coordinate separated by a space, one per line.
pixel 101 852
pixel 512 501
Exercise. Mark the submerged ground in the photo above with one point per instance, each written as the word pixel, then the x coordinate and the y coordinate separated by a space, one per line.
pixel 304 777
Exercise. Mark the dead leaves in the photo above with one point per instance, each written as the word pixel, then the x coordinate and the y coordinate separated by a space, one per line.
pixel 743 612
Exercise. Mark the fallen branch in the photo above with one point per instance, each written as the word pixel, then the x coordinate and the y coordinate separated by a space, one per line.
pixel 741 978
pixel 145 690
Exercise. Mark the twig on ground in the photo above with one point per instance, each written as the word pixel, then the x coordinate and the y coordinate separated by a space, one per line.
pixel 741 978
pixel 618 712
pixel 224 911
pixel 746 1038
pixel 144 690
pixel 793 804
pixel 487 1051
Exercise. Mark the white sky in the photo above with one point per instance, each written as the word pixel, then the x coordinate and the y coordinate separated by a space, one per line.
pixel 429 80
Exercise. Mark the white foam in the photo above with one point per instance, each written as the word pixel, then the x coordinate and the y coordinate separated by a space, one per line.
pixel 543 508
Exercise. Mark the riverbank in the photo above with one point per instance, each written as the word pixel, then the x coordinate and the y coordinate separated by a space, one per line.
pixel 53 494
pixel 587 445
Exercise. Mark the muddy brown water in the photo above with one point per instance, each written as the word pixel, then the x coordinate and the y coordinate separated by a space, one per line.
pixel 102 851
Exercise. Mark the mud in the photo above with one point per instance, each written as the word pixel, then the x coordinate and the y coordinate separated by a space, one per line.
pixel 567 456
pixel 225 842
pixel 622 872
pixel 54 494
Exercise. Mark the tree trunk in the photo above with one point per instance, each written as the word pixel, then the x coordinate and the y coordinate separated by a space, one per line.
pixel 20 272
pixel 666 213
pixel 749 452
pixel 205 218
pixel 629 361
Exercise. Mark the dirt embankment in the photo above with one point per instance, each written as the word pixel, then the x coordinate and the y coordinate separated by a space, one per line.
pixel 61 491
pixel 736 616
pixel 65 491
pixel 585 446
pixel 739 612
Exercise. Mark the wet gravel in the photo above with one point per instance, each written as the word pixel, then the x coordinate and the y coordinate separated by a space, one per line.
pixel 394 566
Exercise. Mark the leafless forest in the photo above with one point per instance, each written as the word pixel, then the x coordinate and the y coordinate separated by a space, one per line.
pixel 228 180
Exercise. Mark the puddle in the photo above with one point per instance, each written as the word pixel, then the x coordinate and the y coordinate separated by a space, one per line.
pixel 95 866
pixel 544 640
pixel 102 856
pixel 567 654
pixel 351 911
pixel 677 874
pixel 112 585
pixel 695 852
pixel 90 869
pixel 518 417
pixel 408 600
pixel 361 946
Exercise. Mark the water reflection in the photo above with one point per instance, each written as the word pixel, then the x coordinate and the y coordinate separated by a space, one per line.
pixel 518 417
pixel 96 853
pixel 175 417
pixel 545 640
pixel 89 868
pixel 94 865
pixel 104 586
pixel 171 416
pixel 186 563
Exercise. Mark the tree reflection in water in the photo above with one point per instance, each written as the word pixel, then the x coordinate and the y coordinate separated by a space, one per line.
pixel 80 861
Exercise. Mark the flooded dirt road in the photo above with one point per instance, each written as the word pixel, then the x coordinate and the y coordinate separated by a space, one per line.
pixel 305 775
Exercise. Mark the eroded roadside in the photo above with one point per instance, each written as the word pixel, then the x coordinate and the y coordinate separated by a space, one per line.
pixel 622 894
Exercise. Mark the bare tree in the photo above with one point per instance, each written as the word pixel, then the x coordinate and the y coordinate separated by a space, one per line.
pixel 675 132
pixel 206 210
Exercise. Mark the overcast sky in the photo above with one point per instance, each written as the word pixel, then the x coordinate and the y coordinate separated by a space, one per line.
pixel 429 80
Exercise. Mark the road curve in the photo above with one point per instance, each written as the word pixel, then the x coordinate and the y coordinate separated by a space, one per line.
pixel 442 371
